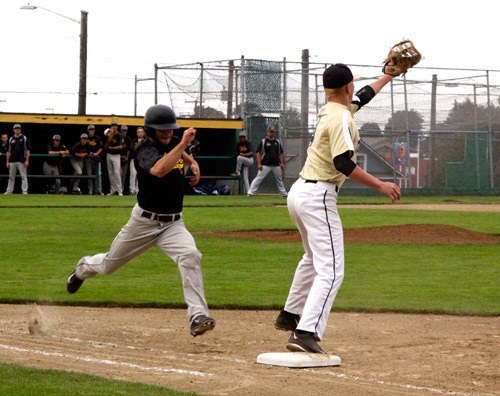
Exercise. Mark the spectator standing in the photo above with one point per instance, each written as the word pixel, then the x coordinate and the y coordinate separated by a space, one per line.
pixel 80 151
pixel 244 159
pixel 113 146
pixel 52 165
pixel 93 159
pixel 4 147
pixel 18 160
pixel 125 154
pixel 270 158
pixel 133 182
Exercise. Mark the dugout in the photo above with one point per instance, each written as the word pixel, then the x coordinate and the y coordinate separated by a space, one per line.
pixel 215 153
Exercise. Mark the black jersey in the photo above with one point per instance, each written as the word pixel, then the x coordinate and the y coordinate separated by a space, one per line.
pixel 158 194
pixel 18 147
pixel 55 160
pixel 243 147
pixel 79 148
pixel 127 143
pixel 271 150
pixel 94 143
pixel 3 156
pixel 115 142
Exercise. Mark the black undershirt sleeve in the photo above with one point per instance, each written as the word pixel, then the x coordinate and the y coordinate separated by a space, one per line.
pixel 363 96
pixel 344 164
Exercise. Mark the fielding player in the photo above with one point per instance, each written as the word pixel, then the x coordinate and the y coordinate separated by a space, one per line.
pixel 156 219
pixel 312 204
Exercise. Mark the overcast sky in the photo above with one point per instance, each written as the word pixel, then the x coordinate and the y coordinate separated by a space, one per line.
pixel 40 50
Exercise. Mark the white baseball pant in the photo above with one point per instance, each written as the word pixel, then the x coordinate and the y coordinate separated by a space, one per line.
pixel 15 167
pixel 113 161
pixel 77 164
pixel 242 165
pixel 313 209
pixel 52 170
pixel 133 181
pixel 92 165
pixel 277 172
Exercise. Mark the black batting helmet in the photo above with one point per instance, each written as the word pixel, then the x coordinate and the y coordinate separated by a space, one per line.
pixel 160 117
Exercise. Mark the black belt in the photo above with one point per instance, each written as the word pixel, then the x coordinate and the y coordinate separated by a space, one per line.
pixel 315 181
pixel 159 217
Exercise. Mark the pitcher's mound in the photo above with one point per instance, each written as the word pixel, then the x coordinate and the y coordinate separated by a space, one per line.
pixel 399 234
pixel 298 359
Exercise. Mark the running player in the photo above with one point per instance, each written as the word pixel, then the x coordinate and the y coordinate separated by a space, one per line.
pixel 156 219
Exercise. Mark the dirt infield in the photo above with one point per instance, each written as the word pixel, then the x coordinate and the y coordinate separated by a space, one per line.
pixel 382 354
pixel 409 233
pixel 449 207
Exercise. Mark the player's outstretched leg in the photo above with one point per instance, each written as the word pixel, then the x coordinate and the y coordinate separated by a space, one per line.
pixel 73 283
pixel 201 324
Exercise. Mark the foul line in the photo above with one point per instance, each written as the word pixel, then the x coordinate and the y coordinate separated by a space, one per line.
pixel 107 361
pixel 112 344
pixel 98 344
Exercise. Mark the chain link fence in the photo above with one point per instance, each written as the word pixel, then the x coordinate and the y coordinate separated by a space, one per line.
pixel 434 128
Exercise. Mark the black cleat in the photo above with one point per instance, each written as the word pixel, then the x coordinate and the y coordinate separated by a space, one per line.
pixel 201 324
pixel 286 321
pixel 305 342
pixel 73 283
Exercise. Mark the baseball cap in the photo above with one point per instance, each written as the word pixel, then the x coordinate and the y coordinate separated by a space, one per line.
pixel 16 126
pixel 336 76
pixel 56 137
pixel 84 136
pixel 90 127
pixel 271 128
pixel 114 123
pixel 124 128
pixel 242 133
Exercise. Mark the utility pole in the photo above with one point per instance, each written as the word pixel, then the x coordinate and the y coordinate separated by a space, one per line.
pixel 82 89
pixel 304 92
pixel 430 173
pixel 230 88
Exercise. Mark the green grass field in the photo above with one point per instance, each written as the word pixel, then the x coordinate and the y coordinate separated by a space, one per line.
pixel 17 380
pixel 44 237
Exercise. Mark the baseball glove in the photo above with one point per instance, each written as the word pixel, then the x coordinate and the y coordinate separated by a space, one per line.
pixel 400 58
